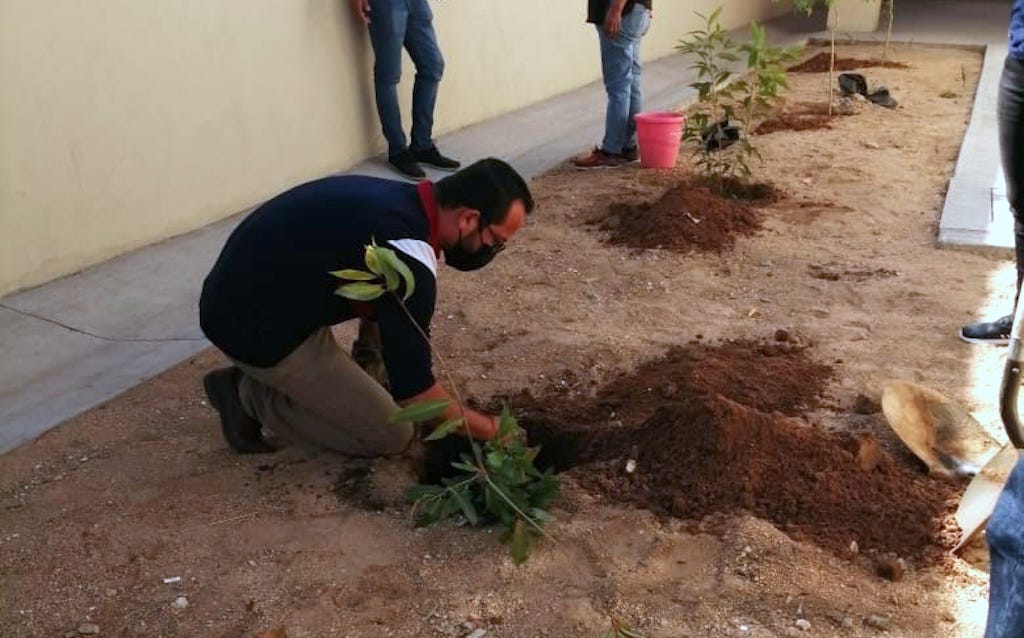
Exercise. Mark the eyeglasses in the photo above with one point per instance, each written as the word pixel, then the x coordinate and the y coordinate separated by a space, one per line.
pixel 497 244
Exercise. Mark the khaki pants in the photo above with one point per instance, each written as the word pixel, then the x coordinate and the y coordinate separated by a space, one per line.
pixel 319 395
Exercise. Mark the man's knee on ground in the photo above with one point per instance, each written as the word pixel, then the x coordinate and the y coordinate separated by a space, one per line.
pixel 392 439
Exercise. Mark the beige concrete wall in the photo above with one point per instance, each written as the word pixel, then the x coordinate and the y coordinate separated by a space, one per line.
pixel 123 122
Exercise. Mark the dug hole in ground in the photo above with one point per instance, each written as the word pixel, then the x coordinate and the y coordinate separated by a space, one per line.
pixel 735 350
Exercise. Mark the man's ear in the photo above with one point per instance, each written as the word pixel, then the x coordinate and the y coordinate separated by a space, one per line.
pixel 469 218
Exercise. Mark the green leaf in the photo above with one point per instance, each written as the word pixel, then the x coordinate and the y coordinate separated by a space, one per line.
pixel 432 511
pixel 370 257
pixel 541 516
pixel 421 411
pixel 398 268
pixel 444 429
pixel 507 424
pixel 467 507
pixel 360 291
pixel 353 275
pixel 520 543
pixel 495 460
pixel 420 492
pixel 465 467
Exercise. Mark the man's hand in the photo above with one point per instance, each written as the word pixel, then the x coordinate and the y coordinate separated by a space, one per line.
pixel 612 23
pixel 478 425
pixel 613 18
pixel 362 10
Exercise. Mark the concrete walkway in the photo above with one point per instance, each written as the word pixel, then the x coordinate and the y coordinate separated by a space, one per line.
pixel 78 341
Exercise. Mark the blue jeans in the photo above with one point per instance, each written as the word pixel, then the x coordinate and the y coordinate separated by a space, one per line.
pixel 395 24
pixel 1005 533
pixel 622 71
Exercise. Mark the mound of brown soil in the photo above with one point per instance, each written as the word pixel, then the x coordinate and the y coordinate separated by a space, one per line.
pixel 771 376
pixel 708 455
pixel 691 216
pixel 714 429
pixel 820 63
pixel 793 122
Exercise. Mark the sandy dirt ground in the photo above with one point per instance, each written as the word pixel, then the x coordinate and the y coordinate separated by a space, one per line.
pixel 95 515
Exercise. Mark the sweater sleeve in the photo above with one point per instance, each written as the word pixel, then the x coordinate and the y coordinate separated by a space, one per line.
pixel 406 352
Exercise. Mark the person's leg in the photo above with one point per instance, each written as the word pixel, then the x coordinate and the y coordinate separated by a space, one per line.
pixel 1011 150
pixel 421 43
pixel 617 68
pixel 320 395
pixel 1010 110
pixel 617 73
pixel 636 92
pixel 1005 535
pixel 388 24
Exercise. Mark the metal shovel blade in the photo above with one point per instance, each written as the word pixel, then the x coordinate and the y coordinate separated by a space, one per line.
pixel 937 430
pixel 980 497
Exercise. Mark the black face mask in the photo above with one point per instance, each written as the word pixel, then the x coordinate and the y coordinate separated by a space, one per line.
pixel 461 259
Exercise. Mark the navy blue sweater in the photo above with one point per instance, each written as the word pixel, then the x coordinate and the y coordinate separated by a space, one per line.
pixel 270 288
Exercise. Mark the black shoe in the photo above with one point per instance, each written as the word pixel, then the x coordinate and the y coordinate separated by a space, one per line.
pixel 242 432
pixel 995 332
pixel 406 165
pixel 631 154
pixel 433 157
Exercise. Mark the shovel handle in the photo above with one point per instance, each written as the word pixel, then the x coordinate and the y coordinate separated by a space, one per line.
pixel 1010 387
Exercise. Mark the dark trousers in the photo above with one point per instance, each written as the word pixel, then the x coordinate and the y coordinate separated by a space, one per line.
pixel 1011 149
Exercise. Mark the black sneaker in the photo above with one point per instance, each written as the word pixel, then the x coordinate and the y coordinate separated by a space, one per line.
pixel 433 157
pixel 243 433
pixel 995 332
pixel 631 154
pixel 406 166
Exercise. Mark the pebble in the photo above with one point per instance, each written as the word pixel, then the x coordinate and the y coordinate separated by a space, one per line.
pixel 847 622
pixel 803 625
pixel 180 602
pixel 891 568
pixel 88 629
pixel 878 622
pixel 477 633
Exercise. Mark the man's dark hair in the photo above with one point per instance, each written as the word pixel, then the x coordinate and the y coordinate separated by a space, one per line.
pixel 489 186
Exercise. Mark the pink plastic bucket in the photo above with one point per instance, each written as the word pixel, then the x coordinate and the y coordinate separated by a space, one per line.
pixel 658 134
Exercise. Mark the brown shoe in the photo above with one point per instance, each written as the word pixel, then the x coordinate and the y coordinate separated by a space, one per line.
pixel 598 159
pixel 243 433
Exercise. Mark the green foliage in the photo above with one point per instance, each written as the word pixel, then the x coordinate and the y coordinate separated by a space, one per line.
pixel 620 629
pixel 497 484
pixel 766 80
pixel 722 98
pixel 386 273
pixel 712 50
pixel 421 411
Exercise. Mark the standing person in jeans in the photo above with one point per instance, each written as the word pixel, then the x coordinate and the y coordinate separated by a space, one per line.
pixel 621 24
pixel 394 24
pixel 1010 110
